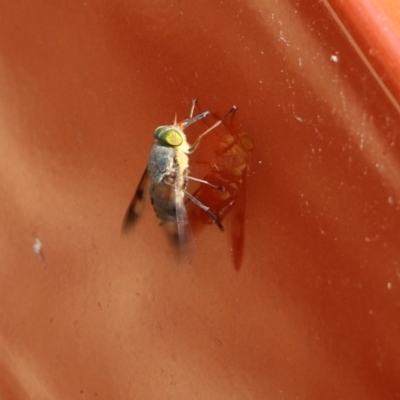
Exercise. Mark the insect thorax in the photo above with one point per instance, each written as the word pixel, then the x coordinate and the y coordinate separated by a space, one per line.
pixel 164 160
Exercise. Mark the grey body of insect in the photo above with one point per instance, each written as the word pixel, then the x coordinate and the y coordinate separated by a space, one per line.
pixel 168 171
pixel 168 175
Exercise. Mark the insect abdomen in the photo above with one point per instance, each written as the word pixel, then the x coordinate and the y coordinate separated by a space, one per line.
pixel 163 200
pixel 167 175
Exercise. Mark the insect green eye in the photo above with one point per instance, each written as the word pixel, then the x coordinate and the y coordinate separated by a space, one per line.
pixel 169 136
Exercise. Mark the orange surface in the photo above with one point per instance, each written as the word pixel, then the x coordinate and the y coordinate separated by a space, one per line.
pixel 311 312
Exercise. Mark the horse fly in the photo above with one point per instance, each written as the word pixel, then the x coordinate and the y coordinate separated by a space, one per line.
pixel 167 173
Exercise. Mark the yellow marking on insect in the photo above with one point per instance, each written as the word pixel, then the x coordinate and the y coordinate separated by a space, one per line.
pixel 181 155
pixel 173 138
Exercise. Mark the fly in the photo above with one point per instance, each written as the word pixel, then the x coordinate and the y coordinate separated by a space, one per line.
pixel 167 176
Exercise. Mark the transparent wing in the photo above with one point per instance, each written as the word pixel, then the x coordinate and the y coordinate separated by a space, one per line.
pixel 136 205
pixel 183 236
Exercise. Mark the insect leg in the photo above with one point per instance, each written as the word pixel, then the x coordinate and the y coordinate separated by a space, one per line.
pixel 193 147
pixel 220 188
pixel 194 101
pixel 206 209
pixel 192 120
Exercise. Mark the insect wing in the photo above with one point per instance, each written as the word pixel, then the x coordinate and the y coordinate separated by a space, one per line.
pixel 167 197
pixel 185 236
pixel 136 205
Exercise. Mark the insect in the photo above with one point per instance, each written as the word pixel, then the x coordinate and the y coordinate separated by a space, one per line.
pixel 167 175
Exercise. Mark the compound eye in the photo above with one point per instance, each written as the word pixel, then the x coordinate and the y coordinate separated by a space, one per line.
pixel 169 136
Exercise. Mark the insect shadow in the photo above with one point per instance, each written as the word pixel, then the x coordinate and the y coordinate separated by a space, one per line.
pixel 230 163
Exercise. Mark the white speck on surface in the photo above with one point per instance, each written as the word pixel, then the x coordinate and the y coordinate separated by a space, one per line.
pixel 372 239
pixel 283 39
pixel 334 58
pixel 37 247
pixel 390 285
pixel 390 200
